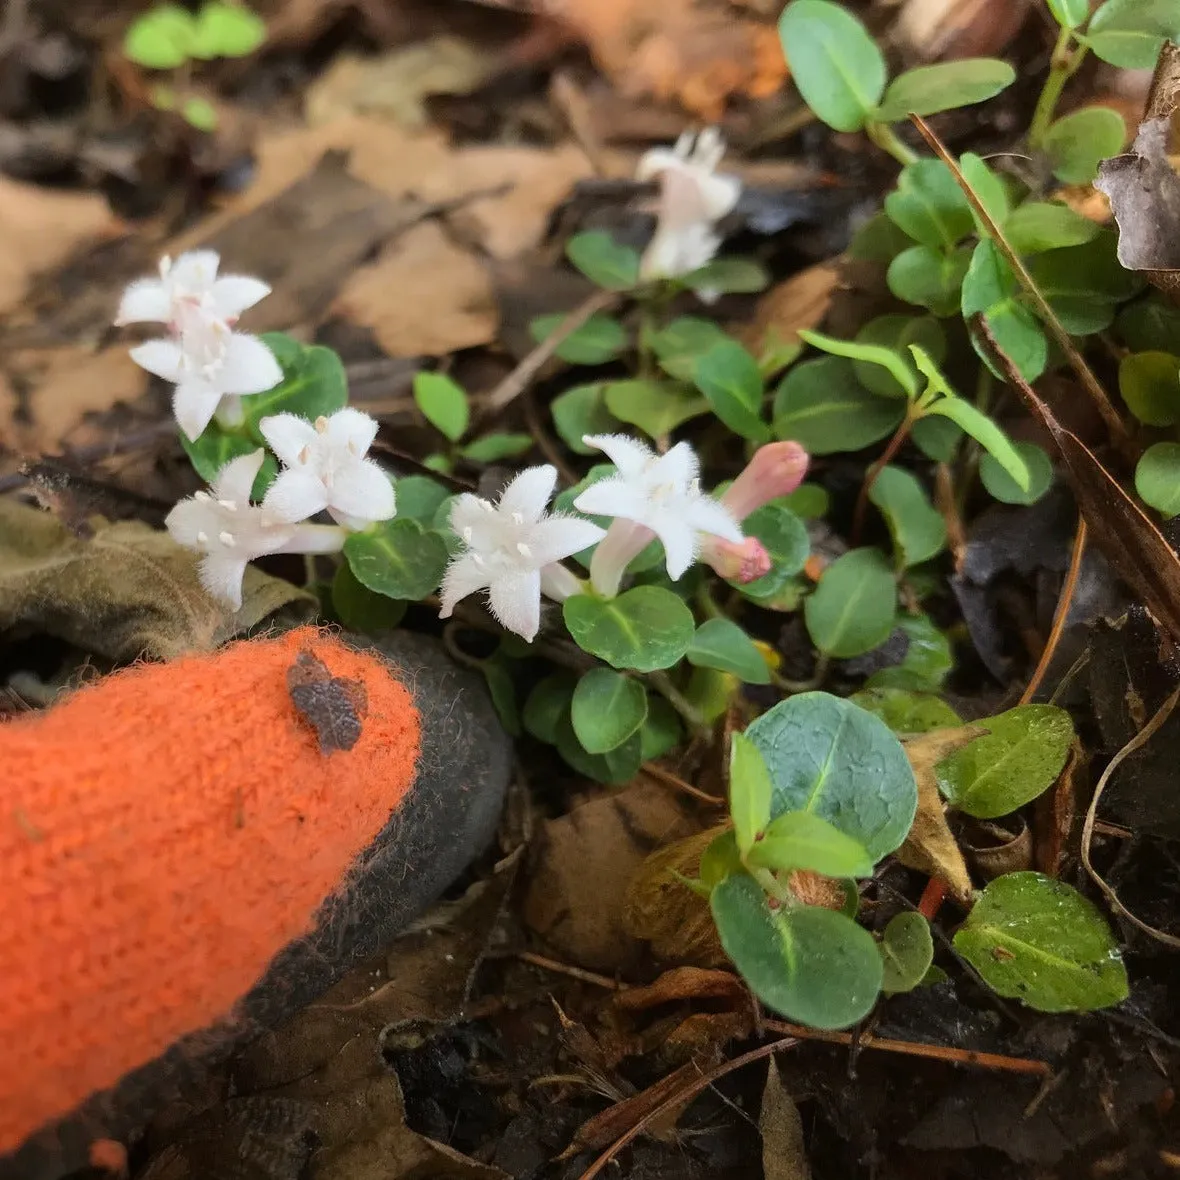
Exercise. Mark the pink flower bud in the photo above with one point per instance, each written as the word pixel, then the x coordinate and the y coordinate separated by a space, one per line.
pixel 741 562
pixel 776 469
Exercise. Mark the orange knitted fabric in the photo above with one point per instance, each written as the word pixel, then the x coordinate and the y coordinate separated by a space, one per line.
pixel 162 835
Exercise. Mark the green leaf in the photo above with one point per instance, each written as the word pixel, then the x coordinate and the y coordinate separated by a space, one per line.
pixel 906 711
pixel 1037 226
pixel 1150 385
pixel 927 661
pixel 720 859
pixel 809 501
pixel 785 539
pixel 833 758
pixel 1130 33
pixel 443 404
pixel 834 62
pixel 656 407
pixel 917 528
pixel 1157 478
pixel 937 438
pixel 1037 940
pixel 880 239
pixel 314 384
pixel 546 705
pixel 821 405
pixel 619 765
pixel 227 30
pixel 1084 284
pixel 497 673
pixel 987 434
pixel 644 629
pixel 682 343
pixel 990 288
pixel 398 558
pixel 750 791
pixel 853 608
pixel 1078 142
pixel 988 187
pixel 1018 759
pixel 661 731
pixel 603 261
pixel 162 38
pixel 929 278
pixel 1005 489
pixel 872 353
pixel 809 964
pixel 721 643
pixel 579 411
pixel 419 498
pixel 1069 14
pixel 359 609
pixel 599 340
pixel 1150 325
pixel 730 379
pixel 897 332
pixel 943 87
pixel 199 113
pixel 214 447
pixel 494 447
pixel 729 276
pixel 907 950
pixel 607 708
pixel 801 840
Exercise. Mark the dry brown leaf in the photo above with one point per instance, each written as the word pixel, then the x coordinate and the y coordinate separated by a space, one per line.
pixel 682 983
pixel 409 317
pixel 39 229
pixel 949 29
pixel 801 302
pixel 784 1154
pixel 994 850
pixel 930 848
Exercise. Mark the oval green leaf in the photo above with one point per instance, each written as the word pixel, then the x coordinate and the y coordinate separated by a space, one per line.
pixel 547 703
pixel 917 527
pixel 359 609
pixel 1150 385
pixel 314 384
pixel 1005 489
pixel 656 407
pixel 730 379
pixel 607 709
pixel 680 344
pixel 603 261
pixel 906 711
pixel 598 340
pixel 929 205
pixel 786 540
pixel 943 87
pixel 443 403
pixel 227 30
pixel 1037 226
pixel 644 629
pixel 162 38
pixel 929 278
pixel 579 411
pixel 907 950
pixel 750 792
pixel 1078 142
pixel 721 643
pixel 802 840
pixel 897 333
pixel 398 558
pixel 1130 33
pixel 853 608
pixel 1157 478
pixel 822 405
pixel 213 448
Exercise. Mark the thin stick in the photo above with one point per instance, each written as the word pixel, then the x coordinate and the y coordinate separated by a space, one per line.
pixel 915 1049
pixel 573 972
pixel 890 452
pixel 519 379
pixel 1064 602
pixel 1091 383
pixel 679 1098
pixel 1139 740
pixel 656 771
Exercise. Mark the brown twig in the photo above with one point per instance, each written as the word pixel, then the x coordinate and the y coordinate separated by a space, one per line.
pixel 508 390
pixel 545 444
pixel 557 968
pixel 914 1049
pixel 654 770
pixel 695 1087
pixel 1090 382
pixel 1064 602
pixel 890 452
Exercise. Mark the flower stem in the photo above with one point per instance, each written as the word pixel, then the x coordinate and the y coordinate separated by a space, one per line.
pixel 887 140
pixel 1062 66
pixel 890 452
pixel 662 683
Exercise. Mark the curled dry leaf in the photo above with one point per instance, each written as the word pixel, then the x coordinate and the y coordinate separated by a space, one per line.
pixel 995 850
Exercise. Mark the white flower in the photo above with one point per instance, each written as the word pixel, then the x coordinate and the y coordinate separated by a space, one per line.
pixel 326 468
pixel 692 199
pixel 186 289
pixel 231 531
pixel 661 496
pixel 511 550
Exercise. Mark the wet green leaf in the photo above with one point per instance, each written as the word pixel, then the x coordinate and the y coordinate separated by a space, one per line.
pixel 853 607
pixel 906 711
pixel 907 950
pixel 643 629
pixel 927 661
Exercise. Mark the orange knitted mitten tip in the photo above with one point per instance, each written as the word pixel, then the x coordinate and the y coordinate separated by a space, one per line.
pixel 166 833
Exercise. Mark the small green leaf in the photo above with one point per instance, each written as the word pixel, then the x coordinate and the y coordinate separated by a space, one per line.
pixel 937 438
pixel 1069 14
pixel 661 731
pixel 580 411
pixel 599 340
pixel 729 276
pixel 929 205
pixel 929 278
pixel 853 608
pixel 682 343
pixel 644 629
pixel 227 30
pixel 1130 33
pixel 162 38
pixel 1157 478
pixel 1037 226
pixel 603 261
pixel 720 859
pixel 872 353
pixel 907 712
pixel 831 757
pixel 990 288
pixel 314 384
pixel 494 447
pixel 927 661
pixel 443 404
pixel 656 407
pixel 750 791
pixel 359 609
pixel 809 501
pixel 721 643
pixel 419 498
pixel 211 450
pixel 917 528
pixel 907 950
pixel 1018 759
pixel 199 113
pixel 821 405
pixel 988 187
pixel 1150 325
pixel 787 542
pixel 1005 489
pixel 619 765
pixel 1150 385
pixel 809 964
pixel 987 434
pixel 898 332
pixel 1078 142
pixel 546 705
pixel 801 840
pixel 834 62
pixel 730 379
pixel 398 558
pixel 1085 284
pixel 943 87
pixel 607 708
pixel 880 239
pixel 497 672
pixel 1037 940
